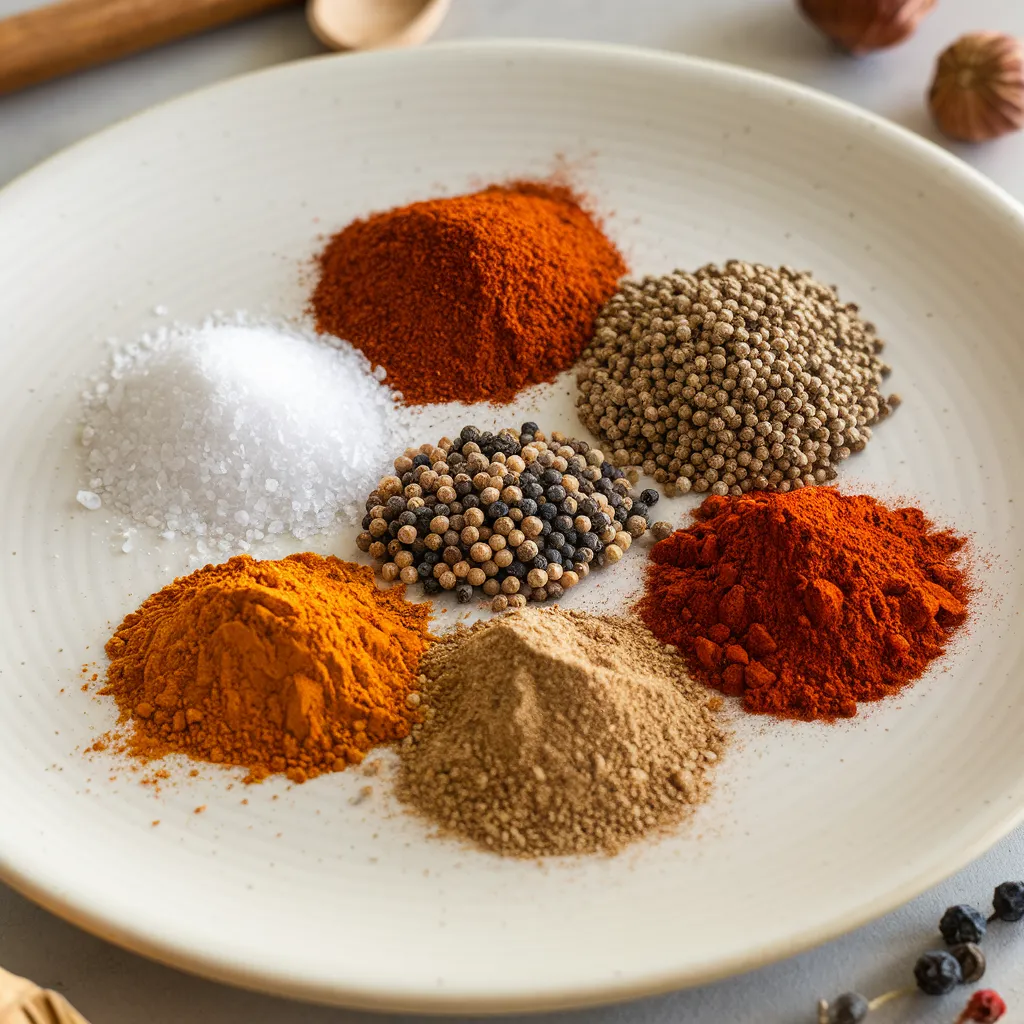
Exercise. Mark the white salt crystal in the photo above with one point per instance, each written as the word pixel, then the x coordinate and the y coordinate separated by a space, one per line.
pixel 236 430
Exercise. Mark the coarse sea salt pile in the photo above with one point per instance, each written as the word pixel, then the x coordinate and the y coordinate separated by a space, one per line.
pixel 233 431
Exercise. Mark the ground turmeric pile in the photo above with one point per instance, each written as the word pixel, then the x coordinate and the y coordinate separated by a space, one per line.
pixel 297 666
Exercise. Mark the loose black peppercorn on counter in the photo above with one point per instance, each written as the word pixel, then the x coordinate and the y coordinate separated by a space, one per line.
pixel 513 514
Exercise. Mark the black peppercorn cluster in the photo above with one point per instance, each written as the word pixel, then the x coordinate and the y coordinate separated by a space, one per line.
pixel 938 972
pixel 517 515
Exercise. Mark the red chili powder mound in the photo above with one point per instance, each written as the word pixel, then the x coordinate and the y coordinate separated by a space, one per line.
pixel 806 603
pixel 471 298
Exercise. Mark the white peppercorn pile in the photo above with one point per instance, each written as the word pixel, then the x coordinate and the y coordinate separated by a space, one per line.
pixel 731 379
pixel 552 732
pixel 512 514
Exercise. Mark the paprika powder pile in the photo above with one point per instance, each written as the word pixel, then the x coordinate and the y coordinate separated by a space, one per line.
pixel 806 603
pixel 471 298
pixel 297 666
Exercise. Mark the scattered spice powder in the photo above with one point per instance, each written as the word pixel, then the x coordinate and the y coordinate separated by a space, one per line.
pixel 298 666
pixel 471 298
pixel 806 603
pixel 557 732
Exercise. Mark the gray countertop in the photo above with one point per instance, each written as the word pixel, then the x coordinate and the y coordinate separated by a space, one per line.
pixel 111 986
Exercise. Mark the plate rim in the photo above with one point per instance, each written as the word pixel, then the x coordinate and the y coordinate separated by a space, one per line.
pixel 219 966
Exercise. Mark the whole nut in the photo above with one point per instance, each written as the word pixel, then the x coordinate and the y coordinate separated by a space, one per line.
pixel 978 90
pixel 861 26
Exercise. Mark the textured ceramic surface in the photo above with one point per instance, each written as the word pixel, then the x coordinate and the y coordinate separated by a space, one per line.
pixel 217 201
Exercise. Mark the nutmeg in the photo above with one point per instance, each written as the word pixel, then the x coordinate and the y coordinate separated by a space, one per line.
pixel 861 26
pixel 978 90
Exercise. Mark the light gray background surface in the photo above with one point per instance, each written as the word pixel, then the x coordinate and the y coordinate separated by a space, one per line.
pixel 111 986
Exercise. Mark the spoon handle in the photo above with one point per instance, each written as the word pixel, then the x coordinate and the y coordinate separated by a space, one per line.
pixel 75 34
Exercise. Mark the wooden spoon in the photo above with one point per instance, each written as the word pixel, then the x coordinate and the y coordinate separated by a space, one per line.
pixel 71 35
pixel 374 24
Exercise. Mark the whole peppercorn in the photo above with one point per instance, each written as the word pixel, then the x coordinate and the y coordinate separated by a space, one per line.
pixel 636 525
pixel 849 1008
pixel 464 593
pixel 660 530
pixel 536 578
pixel 1008 901
pixel 971 960
pixel 937 972
pixel 527 552
pixel 984 1007
pixel 962 923
pixel 531 526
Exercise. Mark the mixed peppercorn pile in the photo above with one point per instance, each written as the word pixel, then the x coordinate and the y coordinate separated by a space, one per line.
pixel 517 515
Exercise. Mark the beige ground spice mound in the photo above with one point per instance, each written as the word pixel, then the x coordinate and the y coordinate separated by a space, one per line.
pixel 557 732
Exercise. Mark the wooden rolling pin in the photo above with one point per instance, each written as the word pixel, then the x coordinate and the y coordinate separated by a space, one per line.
pixel 75 34
pixel 24 1002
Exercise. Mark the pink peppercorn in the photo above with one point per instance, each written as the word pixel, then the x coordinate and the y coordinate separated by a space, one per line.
pixel 984 1007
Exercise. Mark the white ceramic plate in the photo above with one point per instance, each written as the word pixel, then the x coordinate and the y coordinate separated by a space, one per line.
pixel 217 201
